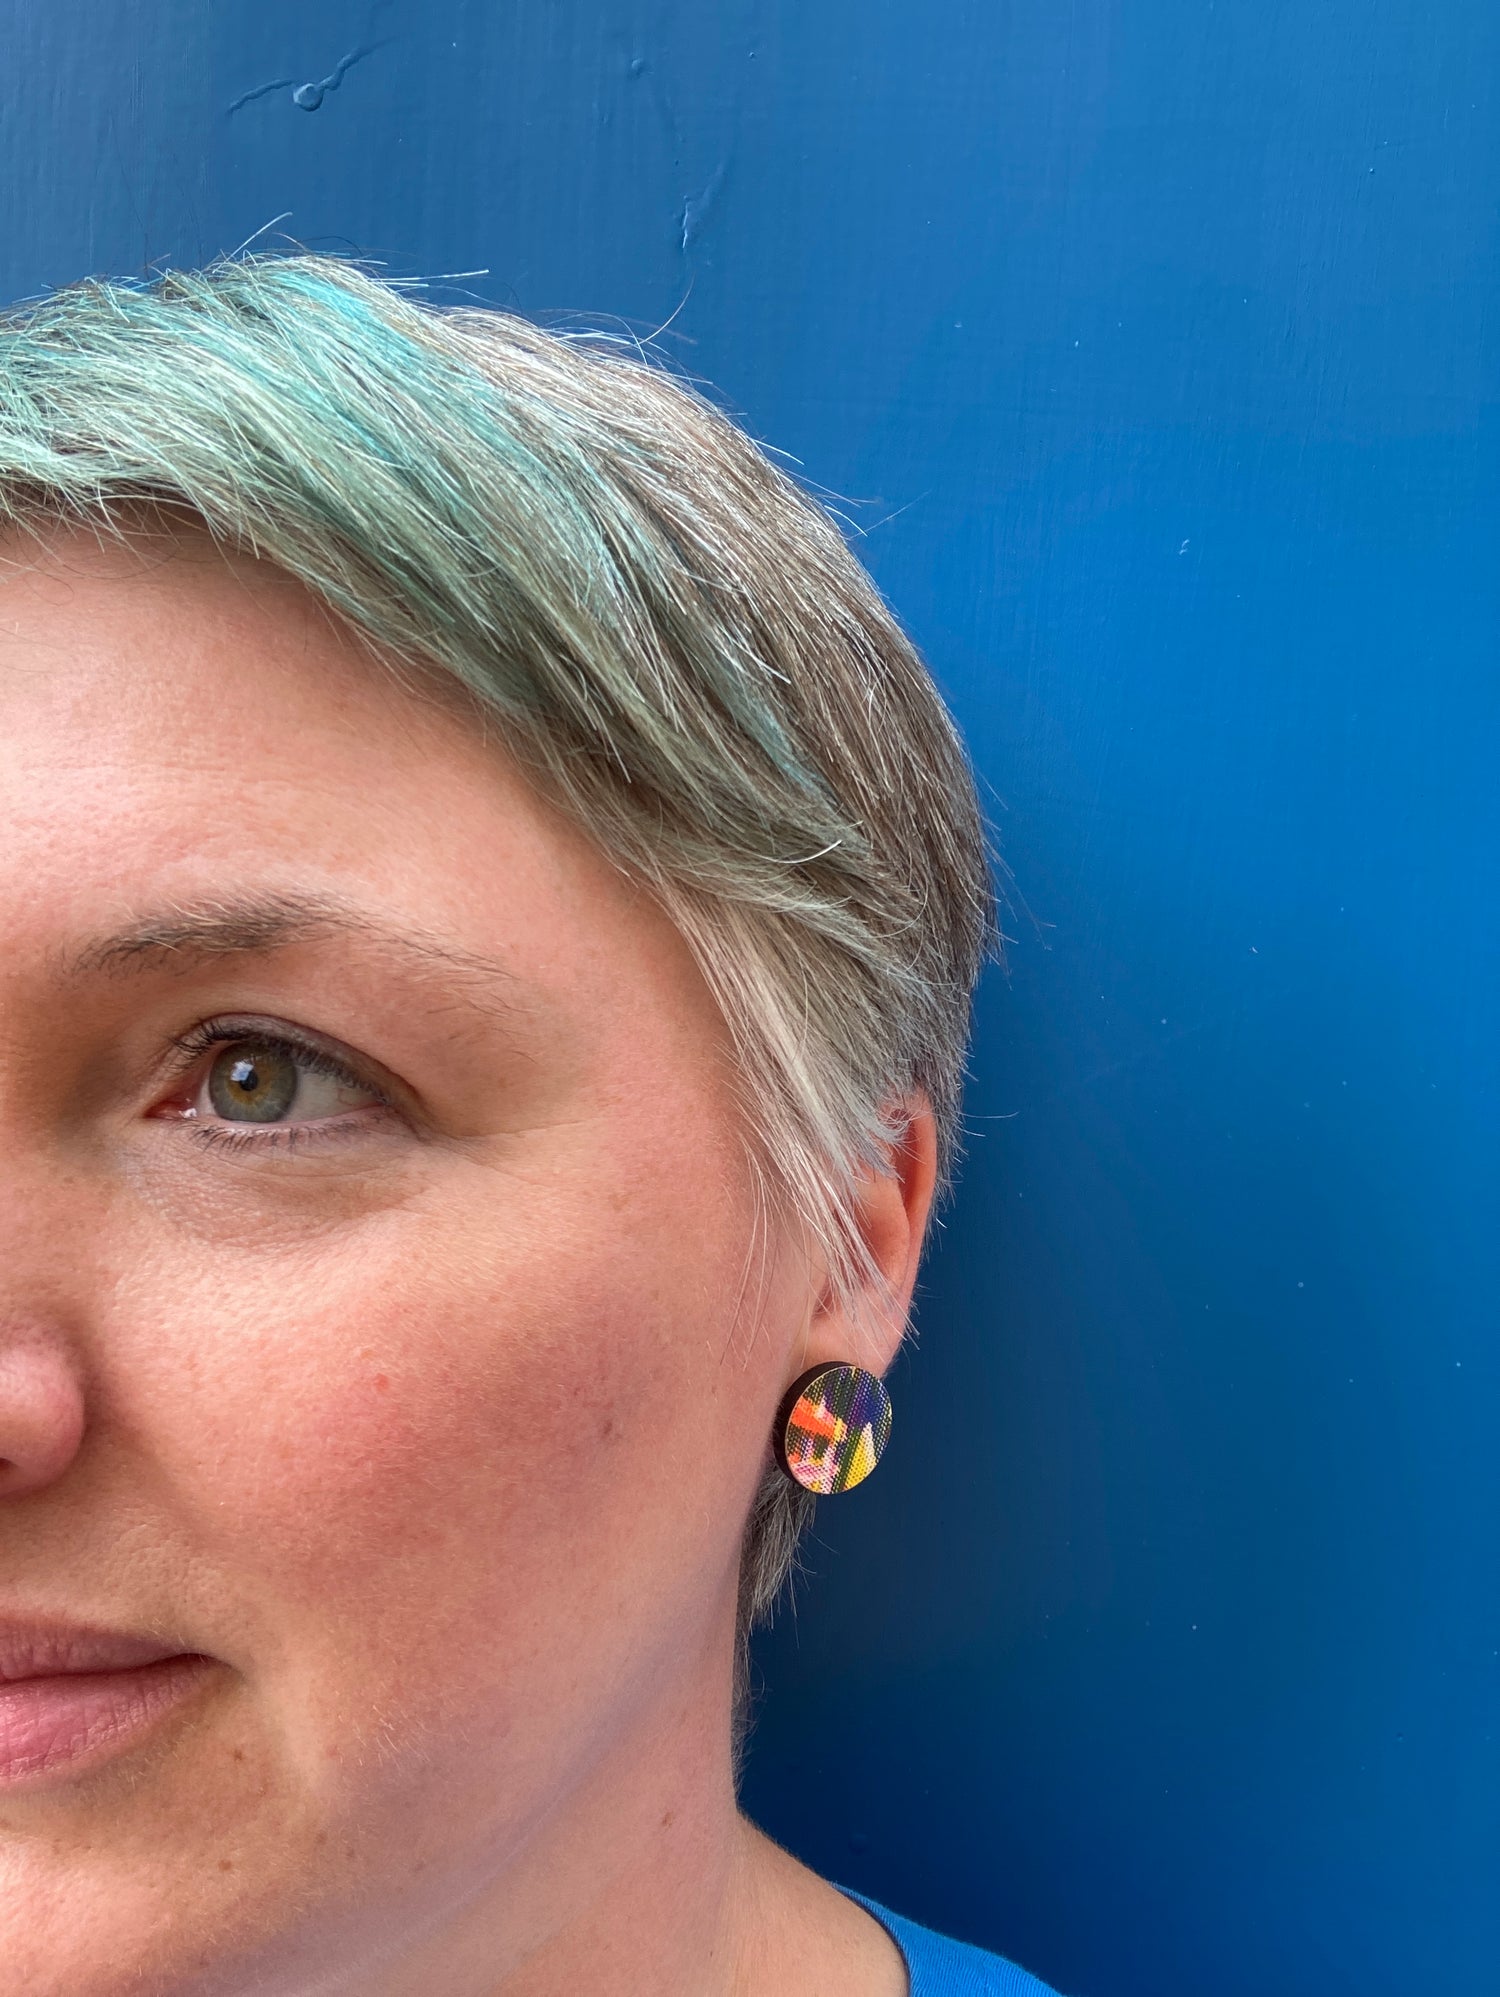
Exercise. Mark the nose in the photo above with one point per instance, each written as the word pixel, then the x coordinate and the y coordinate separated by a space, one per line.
pixel 42 1415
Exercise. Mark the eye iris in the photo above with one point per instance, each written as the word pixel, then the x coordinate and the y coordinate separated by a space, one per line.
pixel 252 1084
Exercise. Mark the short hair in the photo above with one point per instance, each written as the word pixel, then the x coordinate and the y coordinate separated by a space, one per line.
pixel 673 637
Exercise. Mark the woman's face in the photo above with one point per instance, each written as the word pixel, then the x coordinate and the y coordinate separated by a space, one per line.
pixel 383 1314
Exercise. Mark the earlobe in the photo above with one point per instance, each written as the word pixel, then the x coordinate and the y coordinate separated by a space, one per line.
pixel 832 1428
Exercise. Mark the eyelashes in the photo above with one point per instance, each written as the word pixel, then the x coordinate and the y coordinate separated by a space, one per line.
pixel 253 1086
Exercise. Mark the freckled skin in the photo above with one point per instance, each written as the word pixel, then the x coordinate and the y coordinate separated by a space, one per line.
pixel 438 1437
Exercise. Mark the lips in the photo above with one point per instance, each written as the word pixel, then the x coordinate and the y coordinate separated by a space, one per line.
pixel 71 1695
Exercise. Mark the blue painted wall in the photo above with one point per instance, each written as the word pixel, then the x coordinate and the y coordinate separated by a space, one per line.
pixel 1157 344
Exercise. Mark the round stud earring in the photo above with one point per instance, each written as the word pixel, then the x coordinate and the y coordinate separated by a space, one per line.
pixel 831 1427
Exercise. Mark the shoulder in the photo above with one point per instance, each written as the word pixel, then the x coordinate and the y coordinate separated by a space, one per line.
pixel 939 1967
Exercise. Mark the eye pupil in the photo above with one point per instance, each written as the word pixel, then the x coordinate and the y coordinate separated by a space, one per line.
pixel 244 1076
pixel 256 1085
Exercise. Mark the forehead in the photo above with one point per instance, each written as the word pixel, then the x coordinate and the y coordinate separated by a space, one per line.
pixel 157 666
pixel 105 639
pixel 178 726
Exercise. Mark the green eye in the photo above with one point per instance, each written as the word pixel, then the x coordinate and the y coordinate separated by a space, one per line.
pixel 255 1081
pixel 250 1084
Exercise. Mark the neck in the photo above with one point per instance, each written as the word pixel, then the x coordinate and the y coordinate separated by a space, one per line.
pixel 645 1877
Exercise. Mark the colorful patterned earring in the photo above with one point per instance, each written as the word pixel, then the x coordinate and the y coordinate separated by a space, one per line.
pixel 831 1427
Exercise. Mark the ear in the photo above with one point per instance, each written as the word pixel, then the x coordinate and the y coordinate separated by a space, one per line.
pixel 892 1211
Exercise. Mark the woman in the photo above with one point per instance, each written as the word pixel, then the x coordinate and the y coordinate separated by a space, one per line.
pixel 490 905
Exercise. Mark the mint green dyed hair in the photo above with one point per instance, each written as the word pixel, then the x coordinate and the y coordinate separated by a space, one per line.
pixel 673 638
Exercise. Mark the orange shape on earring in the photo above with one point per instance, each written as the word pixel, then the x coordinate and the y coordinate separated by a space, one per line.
pixel 832 1427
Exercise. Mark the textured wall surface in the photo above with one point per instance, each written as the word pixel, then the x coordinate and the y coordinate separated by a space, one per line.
pixel 1153 347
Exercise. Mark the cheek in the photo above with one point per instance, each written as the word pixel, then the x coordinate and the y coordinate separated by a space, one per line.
pixel 442 1442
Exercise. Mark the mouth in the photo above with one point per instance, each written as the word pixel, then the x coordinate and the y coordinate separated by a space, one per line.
pixel 71 1697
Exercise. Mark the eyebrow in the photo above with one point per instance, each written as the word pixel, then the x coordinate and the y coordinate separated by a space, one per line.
pixel 180 938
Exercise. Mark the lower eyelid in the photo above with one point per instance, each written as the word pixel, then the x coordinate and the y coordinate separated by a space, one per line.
pixel 218 1132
